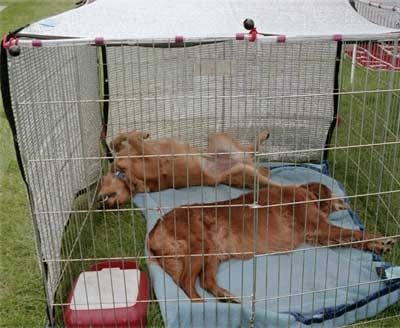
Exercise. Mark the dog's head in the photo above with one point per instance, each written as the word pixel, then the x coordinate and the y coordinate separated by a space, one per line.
pixel 115 190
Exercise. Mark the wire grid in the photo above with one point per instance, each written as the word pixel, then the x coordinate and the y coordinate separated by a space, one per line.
pixel 383 12
pixel 55 130
pixel 187 93
pixel 239 88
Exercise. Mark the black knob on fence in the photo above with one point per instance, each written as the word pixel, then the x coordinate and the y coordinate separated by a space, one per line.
pixel 248 24
pixel 14 50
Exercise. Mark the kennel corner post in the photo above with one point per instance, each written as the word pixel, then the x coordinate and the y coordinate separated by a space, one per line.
pixel 336 98
pixel 55 126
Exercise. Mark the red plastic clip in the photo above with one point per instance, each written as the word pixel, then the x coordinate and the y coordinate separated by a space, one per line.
pixel 36 43
pixel 179 39
pixel 337 37
pixel 253 35
pixel 99 41
pixel 281 38
pixel 239 36
pixel 8 42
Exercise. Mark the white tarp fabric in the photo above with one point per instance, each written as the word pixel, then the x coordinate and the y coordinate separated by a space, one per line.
pixel 163 19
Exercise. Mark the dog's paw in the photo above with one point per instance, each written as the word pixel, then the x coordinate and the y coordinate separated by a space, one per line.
pixel 264 135
pixel 381 246
pixel 264 171
pixel 339 205
pixel 139 134
pixel 120 137
pixel 229 299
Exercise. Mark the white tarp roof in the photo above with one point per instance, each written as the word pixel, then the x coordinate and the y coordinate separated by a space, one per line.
pixel 161 19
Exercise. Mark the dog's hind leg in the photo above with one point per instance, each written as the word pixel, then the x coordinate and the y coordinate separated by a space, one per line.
pixel 222 142
pixel 262 137
pixel 331 235
pixel 209 281
pixel 245 175
pixel 192 269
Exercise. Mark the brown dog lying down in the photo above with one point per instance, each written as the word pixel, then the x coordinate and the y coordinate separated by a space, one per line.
pixel 224 230
pixel 137 168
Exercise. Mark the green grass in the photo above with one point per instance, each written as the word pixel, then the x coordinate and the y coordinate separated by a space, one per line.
pixel 22 301
pixel 371 118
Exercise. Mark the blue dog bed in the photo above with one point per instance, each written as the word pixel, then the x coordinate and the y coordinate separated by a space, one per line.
pixel 326 286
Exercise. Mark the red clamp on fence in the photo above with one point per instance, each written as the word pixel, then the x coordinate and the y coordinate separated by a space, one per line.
pixel 253 35
pixel 179 39
pixel 8 42
pixel 11 44
pixel 36 43
pixel 99 41
pixel 281 38
pixel 337 37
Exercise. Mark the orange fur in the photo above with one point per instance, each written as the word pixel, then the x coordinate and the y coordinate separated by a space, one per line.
pixel 191 242
pixel 178 165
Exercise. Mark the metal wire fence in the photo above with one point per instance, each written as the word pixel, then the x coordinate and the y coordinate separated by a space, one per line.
pixel 332 119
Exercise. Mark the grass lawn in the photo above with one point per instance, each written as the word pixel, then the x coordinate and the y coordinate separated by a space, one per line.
pixel 22 301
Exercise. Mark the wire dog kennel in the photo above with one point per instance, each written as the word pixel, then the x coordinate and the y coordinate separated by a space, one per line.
pixel 68 92
pixel 385 12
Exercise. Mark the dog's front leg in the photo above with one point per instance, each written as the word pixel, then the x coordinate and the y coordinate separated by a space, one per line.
pixel 209 280
pixel 192 269
pixel 116 143
pixel 136 140
pixel 140 186
pixel 334 236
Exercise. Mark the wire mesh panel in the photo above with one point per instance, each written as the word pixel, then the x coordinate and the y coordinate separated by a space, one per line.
pixel 385 12
pixel 240 88
pixel 254 184
pixel 54 92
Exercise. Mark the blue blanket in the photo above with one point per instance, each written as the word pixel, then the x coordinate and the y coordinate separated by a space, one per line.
pixel 329 287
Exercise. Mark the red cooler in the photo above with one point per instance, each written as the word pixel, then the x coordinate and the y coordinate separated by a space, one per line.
pixel 110 294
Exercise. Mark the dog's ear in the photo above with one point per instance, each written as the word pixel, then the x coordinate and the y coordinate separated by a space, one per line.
pixel 319 190
pixel 114 166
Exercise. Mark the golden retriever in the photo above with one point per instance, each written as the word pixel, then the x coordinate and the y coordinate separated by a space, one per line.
pixel 191 241
pixel 145 165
